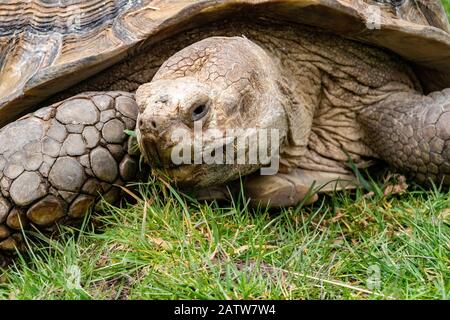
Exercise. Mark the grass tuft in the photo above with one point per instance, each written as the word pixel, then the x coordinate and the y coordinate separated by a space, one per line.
pixel 347 246
pixel 447 6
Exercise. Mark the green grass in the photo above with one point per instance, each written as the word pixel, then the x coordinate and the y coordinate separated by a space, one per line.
pixel 447 6
pixel 347 246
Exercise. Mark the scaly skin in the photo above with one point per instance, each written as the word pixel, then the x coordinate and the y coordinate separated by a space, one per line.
pixel 412 133
pixel 55 163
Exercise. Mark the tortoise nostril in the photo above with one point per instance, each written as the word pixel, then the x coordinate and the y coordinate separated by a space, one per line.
pixel 147 124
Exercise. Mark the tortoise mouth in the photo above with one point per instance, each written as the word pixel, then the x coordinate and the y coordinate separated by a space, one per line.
pixel 206 175
pixel 154 155
pixel 191 174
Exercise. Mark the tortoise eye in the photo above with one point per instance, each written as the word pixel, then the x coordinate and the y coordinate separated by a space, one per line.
pixel 199 112
pixel 394 3
pixel 397 3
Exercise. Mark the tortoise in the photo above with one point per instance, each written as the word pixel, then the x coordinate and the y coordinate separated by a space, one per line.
pixel 338 81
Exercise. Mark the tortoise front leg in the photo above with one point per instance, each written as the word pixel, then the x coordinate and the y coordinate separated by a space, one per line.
pixel 412 133
pixel 294 187
pixel 55 163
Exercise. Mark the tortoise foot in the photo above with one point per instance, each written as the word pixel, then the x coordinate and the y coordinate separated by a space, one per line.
pixel 280 190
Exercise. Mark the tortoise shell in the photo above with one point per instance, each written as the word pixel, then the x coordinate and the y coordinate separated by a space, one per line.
pixel 47 46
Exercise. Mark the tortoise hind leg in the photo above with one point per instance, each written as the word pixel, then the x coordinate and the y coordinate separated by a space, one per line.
pixel 412 133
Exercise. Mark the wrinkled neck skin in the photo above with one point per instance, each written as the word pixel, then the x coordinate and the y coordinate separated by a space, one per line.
pixel 328 81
